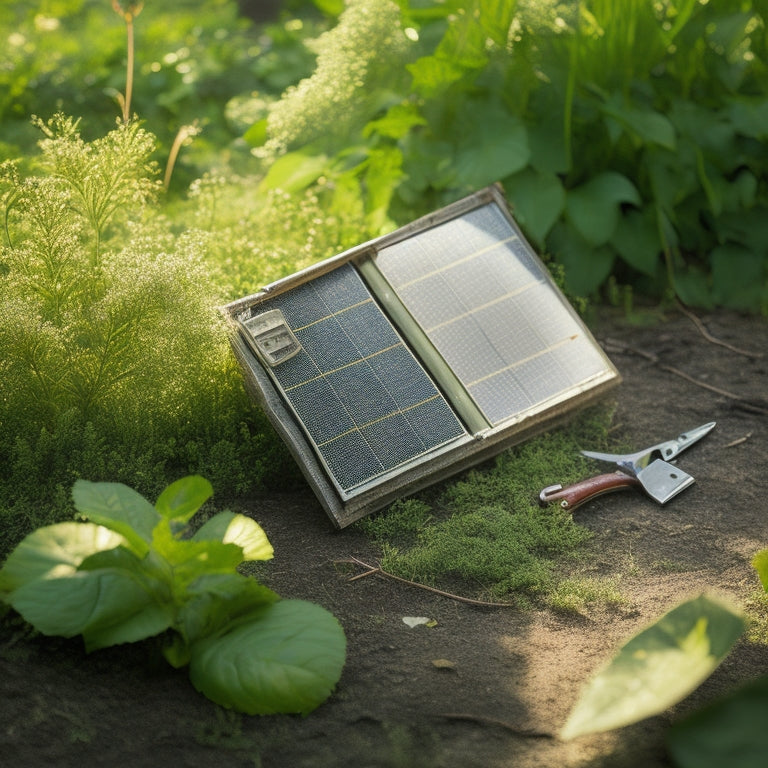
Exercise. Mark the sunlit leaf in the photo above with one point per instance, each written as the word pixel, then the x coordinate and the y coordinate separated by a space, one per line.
pixel 397 122
pixel 180 500
pixel 118 507
pixel 192 558
pixel 55 550
pixel 760 564
pixel 287 659
pixel 295 171
pixel 230 528
pixel 256 135
pixel 658 667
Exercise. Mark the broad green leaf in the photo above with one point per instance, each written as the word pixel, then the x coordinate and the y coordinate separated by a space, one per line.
pixel 730 732
pixel 586 267
pixel 180 500
pixel 593 208
pixel 749 116
pixel 55 551
pixel 760 564
pixel 331 7
pixel 191 558
pixel 431 74
pixel 214 600
pixel 648 124
pixel 637 240
pixel 494 145
pixel 693 287
pixel 397 122
pixel 295 171
pixel 109 604
pixel 738 277
pixel 118 507
pixel 286 659
pixel 383 173
pixel 230 528
pixel 137 621
pixel 256 135
pixel 538 200
pixel 658 667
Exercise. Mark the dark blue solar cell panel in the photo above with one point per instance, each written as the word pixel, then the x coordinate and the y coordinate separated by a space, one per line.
pixel 363 399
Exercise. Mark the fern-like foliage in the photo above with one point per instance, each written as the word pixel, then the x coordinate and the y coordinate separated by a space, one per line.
pixel 352 58
pixel 113 352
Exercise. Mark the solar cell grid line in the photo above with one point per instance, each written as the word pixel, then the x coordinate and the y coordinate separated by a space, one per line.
pixel 489 308
pixel 362 398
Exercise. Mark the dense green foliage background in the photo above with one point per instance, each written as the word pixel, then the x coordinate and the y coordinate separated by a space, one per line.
pixel 630 137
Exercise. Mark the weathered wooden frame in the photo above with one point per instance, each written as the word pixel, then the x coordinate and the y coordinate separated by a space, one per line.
pixel 481 445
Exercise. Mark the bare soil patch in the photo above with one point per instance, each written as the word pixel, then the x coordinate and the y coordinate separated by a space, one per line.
pixel 513 676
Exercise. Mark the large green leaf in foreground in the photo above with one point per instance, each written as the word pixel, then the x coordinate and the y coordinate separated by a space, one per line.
pixel 730 732
pixel 658 667
pixel 286 659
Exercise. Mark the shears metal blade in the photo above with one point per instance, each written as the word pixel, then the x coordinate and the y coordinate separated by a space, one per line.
pixel 668 450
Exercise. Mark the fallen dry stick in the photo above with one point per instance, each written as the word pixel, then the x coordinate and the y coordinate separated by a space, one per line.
pixel 613 345
pixel 374 569
pixel 713 339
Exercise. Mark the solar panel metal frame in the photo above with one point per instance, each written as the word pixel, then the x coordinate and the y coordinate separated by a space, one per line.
pixel 483 441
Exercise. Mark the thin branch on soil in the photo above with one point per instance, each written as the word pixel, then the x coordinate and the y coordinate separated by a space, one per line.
pixel 713 339
pixel 508 726
pixel 374 569
pixel 739 441
pixel 619 346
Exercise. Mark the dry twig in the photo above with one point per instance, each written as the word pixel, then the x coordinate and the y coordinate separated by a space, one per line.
pixel 739 441
pixel 713 339
pixel 528 733
pixel 374 569
pixel 619 346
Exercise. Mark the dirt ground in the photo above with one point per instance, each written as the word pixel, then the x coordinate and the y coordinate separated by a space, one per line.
pixel 514 675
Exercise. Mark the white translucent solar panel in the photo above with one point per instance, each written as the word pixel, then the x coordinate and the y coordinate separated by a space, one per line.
pixel 366 403
pixel 416 355
pixel 488 307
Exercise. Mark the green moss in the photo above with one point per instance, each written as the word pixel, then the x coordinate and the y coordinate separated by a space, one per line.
pixel 577 595
pixel 484 534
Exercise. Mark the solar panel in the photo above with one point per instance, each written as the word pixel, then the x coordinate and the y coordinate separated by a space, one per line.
pixel 364 400
pixel 415 355
pixel 487 305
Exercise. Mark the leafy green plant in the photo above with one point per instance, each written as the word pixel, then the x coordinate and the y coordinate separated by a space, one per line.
pixel 135 570
pixel 665 662
pixel 657 667
pixel 629 136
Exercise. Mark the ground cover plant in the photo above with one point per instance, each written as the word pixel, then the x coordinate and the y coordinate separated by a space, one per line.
pixel 486 536
pixel 133 570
